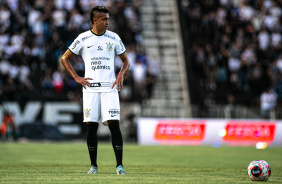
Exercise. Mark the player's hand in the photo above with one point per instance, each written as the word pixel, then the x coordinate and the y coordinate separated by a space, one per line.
pixel 83 81
pixel 119 82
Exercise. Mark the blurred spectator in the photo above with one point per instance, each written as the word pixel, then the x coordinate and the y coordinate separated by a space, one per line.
pixel 246 11
pixel 268 100
pixel 153 71
pixel 47 83
pixel 10 89
pixel 4 69
pixel 131 54
pixel 221 74
pixel 5 18
pixel 263 39
pixel 8 129
pixel 57 80
pixel 139 76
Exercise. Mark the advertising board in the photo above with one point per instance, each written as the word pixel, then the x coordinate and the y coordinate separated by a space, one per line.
pixel 153 131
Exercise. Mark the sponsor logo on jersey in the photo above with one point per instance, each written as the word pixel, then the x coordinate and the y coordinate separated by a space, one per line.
pixel 98 84
pixel 96 62
pixel 100 48
pixel 108 36
pixel 101 67
pixel 75 44
pixel 90 46
pixel 96 65
pixel 86 37
pixel 109 46
pixel 100 58
pixel 87 112
pixel 101 84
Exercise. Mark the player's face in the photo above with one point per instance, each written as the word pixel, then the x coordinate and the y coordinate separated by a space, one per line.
pixel 102 22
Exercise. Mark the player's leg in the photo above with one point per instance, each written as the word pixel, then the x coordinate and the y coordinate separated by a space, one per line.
pixel 91 108
pixel 117 141
pixel 92 144
pixel 117 144
pixel 111 116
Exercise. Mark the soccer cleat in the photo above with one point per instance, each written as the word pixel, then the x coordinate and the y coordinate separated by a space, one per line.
pixel 120 170
pixel 93 170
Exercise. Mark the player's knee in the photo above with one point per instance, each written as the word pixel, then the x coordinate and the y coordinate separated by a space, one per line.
pixel 90 122
pixel 114 125
pixel 92 130
pixel 113 121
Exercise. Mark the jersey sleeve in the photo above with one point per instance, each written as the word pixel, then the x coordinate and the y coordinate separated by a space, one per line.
pixel 119 49
pixel 76 46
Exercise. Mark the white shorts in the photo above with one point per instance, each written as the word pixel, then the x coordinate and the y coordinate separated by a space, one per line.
pixel 101 107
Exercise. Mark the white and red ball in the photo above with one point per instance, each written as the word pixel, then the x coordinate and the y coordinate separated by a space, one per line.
pixel 259 170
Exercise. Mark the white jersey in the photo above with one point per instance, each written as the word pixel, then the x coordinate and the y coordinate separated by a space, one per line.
pixel 98 53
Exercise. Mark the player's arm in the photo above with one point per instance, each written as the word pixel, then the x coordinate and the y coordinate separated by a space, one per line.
pixel 125 66
pixel 65 62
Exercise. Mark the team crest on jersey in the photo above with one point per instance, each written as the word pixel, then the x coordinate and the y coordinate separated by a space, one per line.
pixel 109 46
pixel 87 112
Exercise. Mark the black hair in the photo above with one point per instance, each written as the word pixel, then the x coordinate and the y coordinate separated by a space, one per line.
pixel 98 9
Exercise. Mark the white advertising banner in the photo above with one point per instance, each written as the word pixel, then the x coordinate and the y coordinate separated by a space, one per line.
pixel 216 132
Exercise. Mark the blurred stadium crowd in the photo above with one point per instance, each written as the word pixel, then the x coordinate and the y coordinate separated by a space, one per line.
pixel 235 51
pixel 35 33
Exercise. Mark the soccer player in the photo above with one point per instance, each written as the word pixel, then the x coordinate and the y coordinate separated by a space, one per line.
pixel 98 48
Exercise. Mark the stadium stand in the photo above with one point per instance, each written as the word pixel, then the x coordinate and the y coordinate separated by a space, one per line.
pixel 162 40
pixel 233 53
pixel 34 35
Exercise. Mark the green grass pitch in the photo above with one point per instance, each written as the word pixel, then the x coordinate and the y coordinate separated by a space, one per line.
pixel 69 163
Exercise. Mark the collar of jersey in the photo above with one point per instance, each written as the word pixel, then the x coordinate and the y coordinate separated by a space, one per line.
pixel 97 34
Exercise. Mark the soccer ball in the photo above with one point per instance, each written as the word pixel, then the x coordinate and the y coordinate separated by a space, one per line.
pixel 259 170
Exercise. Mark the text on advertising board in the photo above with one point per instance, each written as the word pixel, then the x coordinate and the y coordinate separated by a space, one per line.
pixel 180 131
pixel 249 132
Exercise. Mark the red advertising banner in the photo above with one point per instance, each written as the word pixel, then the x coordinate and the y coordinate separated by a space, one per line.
pixel 179 130
pixel 249 132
